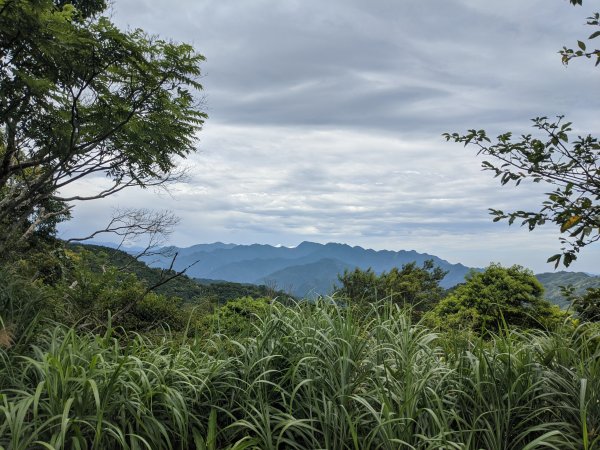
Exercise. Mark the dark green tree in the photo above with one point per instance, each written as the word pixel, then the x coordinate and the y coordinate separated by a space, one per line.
pixel 569 165
pixel 238 317
pixel 359 285
pixel 586 305
pixel 494 297
pixel 412 285
pixel 81 98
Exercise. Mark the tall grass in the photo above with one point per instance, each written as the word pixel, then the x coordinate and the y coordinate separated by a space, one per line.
pixel 311 376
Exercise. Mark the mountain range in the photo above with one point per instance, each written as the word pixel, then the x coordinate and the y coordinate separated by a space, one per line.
pixel 312 269
pixel 308 270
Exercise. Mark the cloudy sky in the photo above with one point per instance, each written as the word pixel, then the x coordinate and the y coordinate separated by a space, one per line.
pixel 325 121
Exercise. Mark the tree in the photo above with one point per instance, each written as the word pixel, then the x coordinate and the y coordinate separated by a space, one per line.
pixel 410 285
pixel 571 166
pixel 582 51
pixel 81 98
pixel 359 285
pixel 91 286
pixel 586 305
pixel 494 297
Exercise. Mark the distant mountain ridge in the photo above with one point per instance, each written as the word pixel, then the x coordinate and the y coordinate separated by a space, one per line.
pixel 309 269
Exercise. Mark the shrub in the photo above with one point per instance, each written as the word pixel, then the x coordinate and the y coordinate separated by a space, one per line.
pixel 239 317
pixel 494 298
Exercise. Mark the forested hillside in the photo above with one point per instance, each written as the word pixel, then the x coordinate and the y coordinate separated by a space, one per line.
pixel 319 276
pixel 553 281
pixel 182 286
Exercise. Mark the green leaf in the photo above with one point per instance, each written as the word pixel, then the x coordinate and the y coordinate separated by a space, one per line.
pixel 594 35
pixel 555 259
pixel 581 45
pixel 568 258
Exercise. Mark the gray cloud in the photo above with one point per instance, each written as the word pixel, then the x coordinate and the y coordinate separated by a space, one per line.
pixel 325 120
pixel 389 66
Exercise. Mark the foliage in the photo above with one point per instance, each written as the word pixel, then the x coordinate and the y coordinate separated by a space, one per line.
pixel 410 285
pixel 80 289
pixel 570 168
pixel 569 165
pixel 582 51
pixel 224 291
pixel 586 304
pixel 313 376
pixel 100 257
pixel 93 393
pixel 79 285
pixel 92 287
pixel 239 317
pixel 494 298
pixel 22 304
pixel 190 290
pixel 81 98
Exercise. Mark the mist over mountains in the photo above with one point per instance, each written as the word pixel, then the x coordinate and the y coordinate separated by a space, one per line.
pixel 309 269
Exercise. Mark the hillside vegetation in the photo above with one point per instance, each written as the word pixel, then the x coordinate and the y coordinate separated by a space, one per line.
pixel 312 269
pixel 345 373
pixel 307 376
pixel 188 289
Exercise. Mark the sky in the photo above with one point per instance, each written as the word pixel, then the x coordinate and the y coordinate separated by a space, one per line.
pixel 326 120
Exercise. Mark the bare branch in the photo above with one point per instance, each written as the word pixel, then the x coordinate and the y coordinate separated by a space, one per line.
pixel 134 224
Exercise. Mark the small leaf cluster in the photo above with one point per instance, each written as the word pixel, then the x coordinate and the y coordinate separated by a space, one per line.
pixel 582 49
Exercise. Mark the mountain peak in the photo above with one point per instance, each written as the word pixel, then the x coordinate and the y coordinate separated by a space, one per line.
pixel 308 244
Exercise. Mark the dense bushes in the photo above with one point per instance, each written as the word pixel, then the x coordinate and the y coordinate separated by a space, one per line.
pixel 313 376
pixel 22 305
pixel 82 290
pixel 90 294
pixel 495 298
pixel 237 318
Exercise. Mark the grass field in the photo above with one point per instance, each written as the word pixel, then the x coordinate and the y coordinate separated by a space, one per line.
pixel 306 376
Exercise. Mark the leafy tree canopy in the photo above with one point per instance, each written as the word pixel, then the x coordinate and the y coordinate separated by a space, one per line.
pixel 495 297
pixel 79 97
pixel 412 285
pixel 572 169
pixel 587 305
